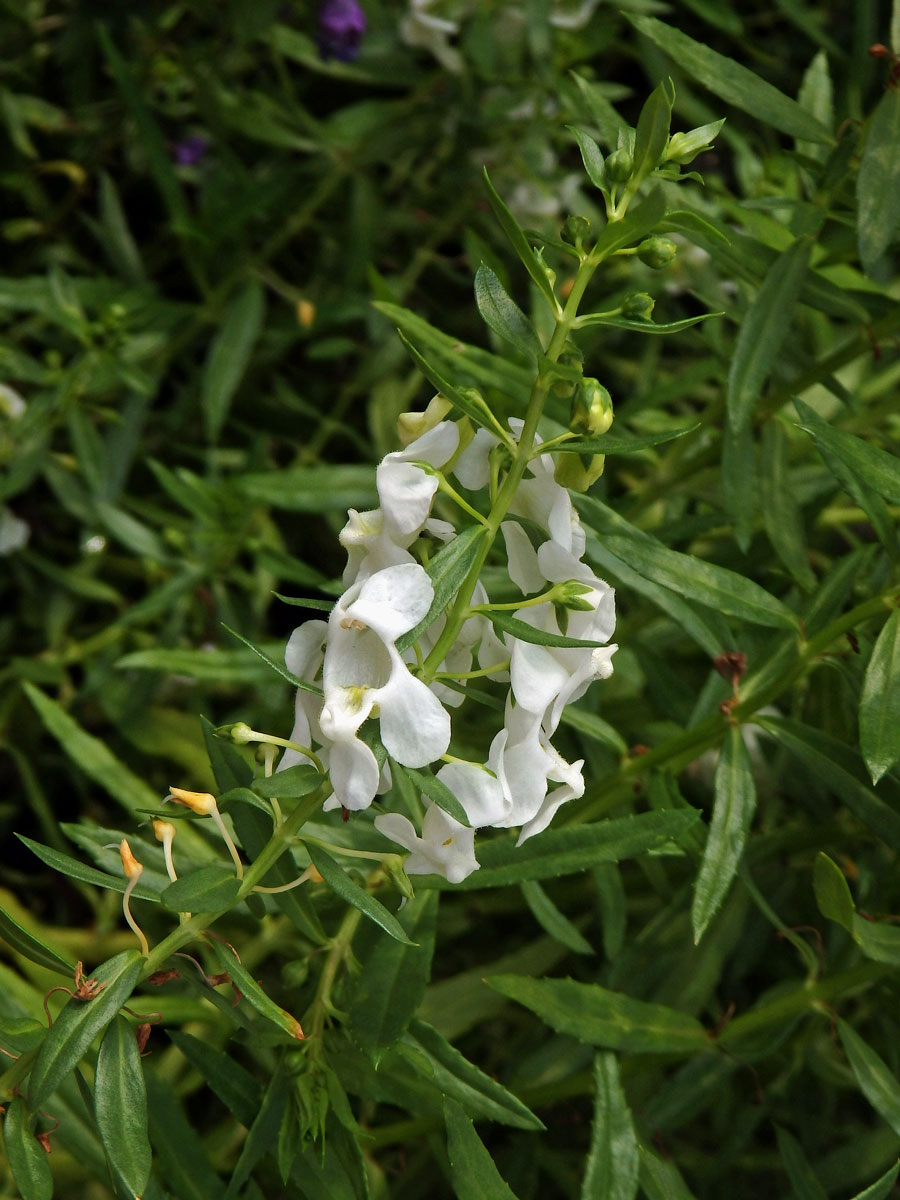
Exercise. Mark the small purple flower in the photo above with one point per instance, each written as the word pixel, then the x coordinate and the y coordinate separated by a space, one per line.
pixel 190 151
pixel 341 26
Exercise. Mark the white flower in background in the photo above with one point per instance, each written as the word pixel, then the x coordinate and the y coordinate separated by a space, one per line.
pixel 11 403
pixel 363 672
pixel 572 14
pixel 426 31
pixel 445 848
pixel 14 532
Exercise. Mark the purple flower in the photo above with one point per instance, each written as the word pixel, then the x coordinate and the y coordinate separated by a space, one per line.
pixel 341 26
pixel 190 151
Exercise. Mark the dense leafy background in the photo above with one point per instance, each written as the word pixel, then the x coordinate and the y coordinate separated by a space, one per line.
pixel 208 386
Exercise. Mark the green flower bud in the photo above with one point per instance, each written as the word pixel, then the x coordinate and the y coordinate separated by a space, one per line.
pixel 393 868
pixel 592 408
pixel 575 230
pixel 570 471
pixel 571 595
pixel 619 165
pixel 657 252
pixel 571 358
pixel 638 307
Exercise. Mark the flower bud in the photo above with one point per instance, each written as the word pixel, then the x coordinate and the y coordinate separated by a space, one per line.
pixel 592 408
pixel 306 313
pixel 393 868
pixel 202 803
pixel 240 733
pixel 575 230
pixel 657 252
pixel 130 864
pixel 411 425
pixel 163 830
pixel 638 307
pixel 619 165
pixel 570 472
pixel 571 595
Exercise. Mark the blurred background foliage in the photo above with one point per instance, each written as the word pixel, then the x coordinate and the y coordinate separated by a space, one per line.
pixel 198 211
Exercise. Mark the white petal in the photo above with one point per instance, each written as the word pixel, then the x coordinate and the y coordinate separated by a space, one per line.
pixel 554 800
pixel 406 493
pixel 305 649
pixel 415 728
pixel 536 674
pixel 435 447
pixel 524 568
pixel 472 468
pixel 354 774
pixel 392 601
pixel 397 828
pixel 480 793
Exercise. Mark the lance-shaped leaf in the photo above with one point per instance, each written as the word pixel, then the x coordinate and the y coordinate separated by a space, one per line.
pixel 733 809
pixel 27 1161
pixel 832 891
pixel 592 157
pixel 876 1081
pixel 781 513
pixel 79 1023
pixel 32 948
pixel 524 632
pixel 614 443
pixel 342 885
pixel 640 220
pixel 604 1018
pixel 552 920
pixel 878 182
pixel 472 1171
pixel 501 313
pixel 232 1083
pixel 519 242
pixel 652 133
pixel 660 1179
pixel 879 701
pixel 120 1105
pixel 446 570
pixel 882 1187
pixel 66 865
pixel 642 326
pixel 253 993
pixel 611 1171
pixel 763 331
pixel 277 667
pixel 466 400
pixel 804 1183
pixel 204 890
pixel 229 355
pixel 291 784
pixel 437 790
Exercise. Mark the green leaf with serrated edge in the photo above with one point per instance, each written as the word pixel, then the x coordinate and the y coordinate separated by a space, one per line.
pixel 230 354
pixel 881 1188
pixel 391 984
pixel 861 800
pixel 479 413
pixel 763 330
pixel 79 1023
pixel 252 992
pixel 804 1184
pixel 300 602
pixel 611 1168
pixel 836 449
pixel 876 1081
pixel 781 513
pixel 519 242
pixel 473 1174
pixel 613 443
pixel 28 1163
pixel 291 783
pixel 276 667
pixel 553 922
pixel 120 1105
pixel 592 157
pixel 604 1018
pixel 67 865
pixel 204 890
pixel 878 181
pixel 342 885
pixel 263 1132
pixel 90 754
pixel 446 570
pixel 501 313
pixel 179 1153
pixel 733 809
pixel 879 701
pixel 232 1083
pixel 437 790
pixel 652 133
pixel 560 851
pixel 642 326
pixel 640 220
pixel 660 1179
pixel 832 891
pixel 32 948
pixel 732 82
pixel 524 632
pixel 481 1095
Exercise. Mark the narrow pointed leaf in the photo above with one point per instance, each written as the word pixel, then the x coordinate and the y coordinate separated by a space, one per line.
pixel 652 132
pixel 229 355
pixel 643 326
pixel 519 242
pixel 552 920
pixel 832 892
pixel 32 948
pixel 640 220
pixel 66 865
pixel 437 790
pixel 781 513
pixel 878 182
pixel 28 1163
pixel 232 1083
pixel 804 1184
pixel 252 992
pixel 462 398
pixel 472 1171
pixel 446 570
pixel 881 1188
pixel 614 443
pixel 204 890
pixel 876 1081
pixel 120 1105
pixel 290 784
pixel 611 1170
pixel 501 313
pixel 524 632
pixel 592 157
pixel 879 702
pixel 660 1178
pixel 342 885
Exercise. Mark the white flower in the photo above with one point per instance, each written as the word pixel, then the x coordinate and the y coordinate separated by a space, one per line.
pixel 11 403
pixel 303 657
pixel 14 532
pixel 446 847
pixel 363 670
pixel 405 490
pixel 419 28
pixel 369 548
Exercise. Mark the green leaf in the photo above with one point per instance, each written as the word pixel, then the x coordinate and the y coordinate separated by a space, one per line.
pixel 67 865
pixel 229 768
pixel 204 890
pixel 611 1170
pixel 27 1161
pixel 289 784
pixel 611 443
pixel 660 1178
pixel 302 602
pixel 79 1023
pixel 882 1187
pixel 229 667
pixel 22 1034
pixel 878 940
pixel 642 326
pixel 877 468
pixel 592 157
pixel 861 800
pixel 473 1174
pixel 437 791
pixel 640 220
pixel 562 851
pixel 342 885
pixel 466 400
pixel 804 1184
pixel 879 701
pixel 732 82
pixel 230 354
pixel 119 243
pixel 179 1153
pixel 263 1133
pixel 446 570
pixel 763 330
pixel 276 667
pixel 392 982
pixel 91 755
pixel 501 313
pixel 554 922
pixel 481 1095
pixel 652 133
pixel 32 948
pixel 733 809
pixel 781 513
pixel 832 892
pixel 876 1081
pixel 253 993
pixel 878 181
pixel 311 489
pixel 120 1104
pixel 519 243
pixel 232 1083
pixel 524 632
pixel 601 1017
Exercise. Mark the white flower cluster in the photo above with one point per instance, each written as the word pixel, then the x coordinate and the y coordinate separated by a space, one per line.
pixel 388 593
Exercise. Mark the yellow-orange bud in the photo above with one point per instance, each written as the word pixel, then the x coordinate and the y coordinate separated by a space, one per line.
pixel 202 803
pixel 130 864
pixel 163 830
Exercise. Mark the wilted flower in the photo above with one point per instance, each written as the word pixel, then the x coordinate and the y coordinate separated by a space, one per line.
pixel 341 26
